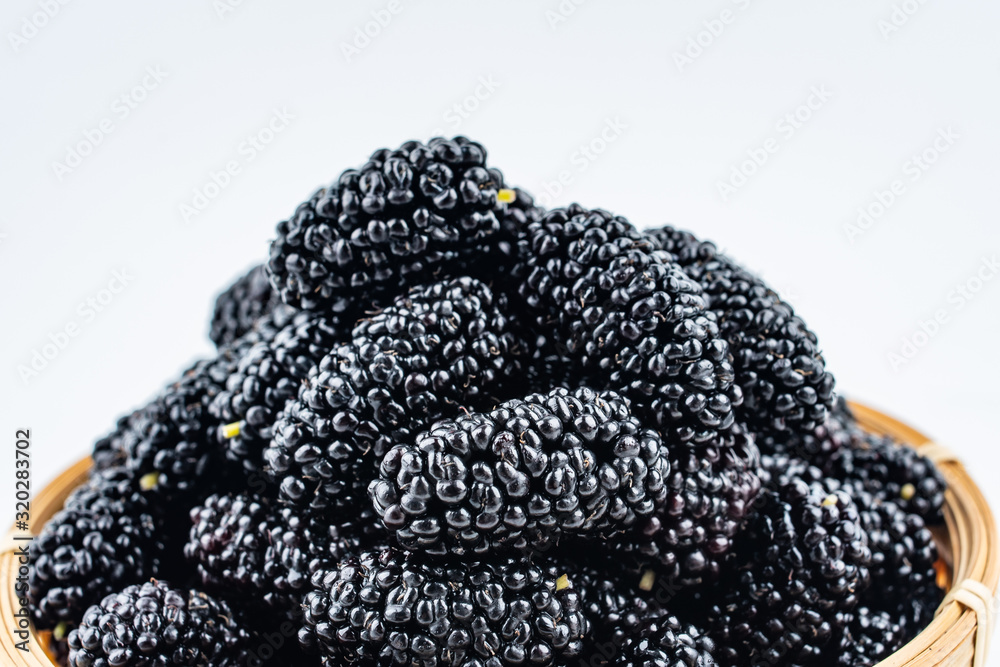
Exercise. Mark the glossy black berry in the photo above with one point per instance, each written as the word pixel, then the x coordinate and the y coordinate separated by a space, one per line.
pixel 170 446
pixel 392 608
pixel 777 359
pixel 710 492
pixel 631 319
pixel 904 554
pixel 800 569
pixel 156 624
pixel 891 471
pixel 248 548
pixel 433 352
pixel 871 637
pixel 406 216
pixel 241 305
pixel 106 537
pixel 523 475
pixel 664 641
pixel 268 375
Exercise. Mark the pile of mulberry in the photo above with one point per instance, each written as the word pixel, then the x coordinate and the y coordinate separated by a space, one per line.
pixel 443 427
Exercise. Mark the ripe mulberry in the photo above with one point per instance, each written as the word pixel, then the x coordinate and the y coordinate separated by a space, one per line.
pixel 241 305
pixel 871 637
pixel 246 547
pixel 666 642
pixel 890 471
pixel 105 538
pixel 431 353
pixel 631 319
pixel 156 624
pixel 267 377
pixel 390 607
pixel 408 215
pixel 523 475
pixel 710 493
pixel 801 568
pixel 777 359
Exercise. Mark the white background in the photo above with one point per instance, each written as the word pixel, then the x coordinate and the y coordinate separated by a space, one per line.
pixel 555 82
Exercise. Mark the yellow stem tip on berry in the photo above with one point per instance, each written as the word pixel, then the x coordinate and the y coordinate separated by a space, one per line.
pixel 149 481
pixel 60 631
pixel 506 196
pixel 830 500
pixel 230 431
pixel 647 581
pixel 907 492
pixel 562 582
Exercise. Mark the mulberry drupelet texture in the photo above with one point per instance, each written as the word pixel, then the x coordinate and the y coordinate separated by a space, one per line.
pixel 523 475
pixel 904 579
pixel 419 212
pixel 664 641
pixel 239 307
pixel 269 375
pixel 248 548
pixel 433 352
pixel 710 494
pixel 836 432
pixel 890 471
pixel 871 637
pixel 631 319
pixel 800 569
pixel 105 538
pixel 170 446
pixel 156 624
pixel 393 608
pixel 777 358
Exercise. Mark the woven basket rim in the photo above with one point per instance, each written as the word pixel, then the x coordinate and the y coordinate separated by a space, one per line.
pixel 969 544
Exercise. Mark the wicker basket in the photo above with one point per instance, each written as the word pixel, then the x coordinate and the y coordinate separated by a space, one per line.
pixel 958 636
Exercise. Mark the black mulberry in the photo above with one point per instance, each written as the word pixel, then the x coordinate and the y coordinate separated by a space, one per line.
pixel 631 319
pixel 521 476
pixel 404 217
pixel 890 471
pixel 666 642
pixel 248 548
pixel 241 305
pixel 170 445
pixel 871 637
pixel 390 607
pixel 710 492
pixel 156 624
pixel 777 359
pixel 106 537
pixel 268 376
pixel 433 352
pixel 801 568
